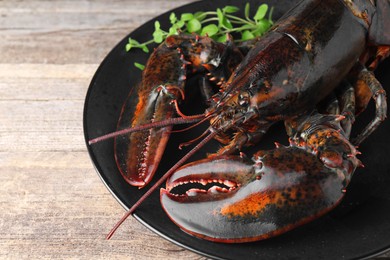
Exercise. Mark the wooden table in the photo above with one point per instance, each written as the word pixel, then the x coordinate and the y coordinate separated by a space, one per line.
pixel 53 204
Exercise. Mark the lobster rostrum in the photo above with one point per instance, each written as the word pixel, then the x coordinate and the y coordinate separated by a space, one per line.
pixel 318 57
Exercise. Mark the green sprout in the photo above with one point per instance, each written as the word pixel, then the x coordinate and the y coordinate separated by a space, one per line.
pixel 215 24
pixel 139 65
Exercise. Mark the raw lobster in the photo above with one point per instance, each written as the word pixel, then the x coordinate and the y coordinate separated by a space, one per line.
pixel 287 74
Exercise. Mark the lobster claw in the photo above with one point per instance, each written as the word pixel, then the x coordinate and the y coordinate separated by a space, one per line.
pixel 138 155
pixel 163 86
pixel 232 200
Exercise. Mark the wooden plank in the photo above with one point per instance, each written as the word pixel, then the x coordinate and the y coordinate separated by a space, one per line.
pixel 53 32
pixel 43 89
pixel 59 127
pixel 49 210
pixel 45 71
pixel 46 99
pixel 50 47
pixel 89 6
pixel 53 203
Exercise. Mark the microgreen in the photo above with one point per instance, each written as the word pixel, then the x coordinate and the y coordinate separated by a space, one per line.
pixel 139 65
pixel 216 24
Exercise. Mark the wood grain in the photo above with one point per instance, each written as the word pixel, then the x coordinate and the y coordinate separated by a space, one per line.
pixel 49 189
pixel 53 205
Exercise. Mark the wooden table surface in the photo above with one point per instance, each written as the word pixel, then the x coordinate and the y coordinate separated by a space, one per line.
pixel 53 204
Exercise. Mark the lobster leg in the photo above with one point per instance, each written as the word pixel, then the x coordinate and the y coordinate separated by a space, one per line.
pixel 382 53
pixel 379 96
pixel 341 102
pixel 206 89
pixel 241 139
pixel 346 95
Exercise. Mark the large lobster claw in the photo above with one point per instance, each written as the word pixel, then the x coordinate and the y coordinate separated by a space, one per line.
pixel 162 87
pixel 236 200
pixel 138 155
pixel 232 200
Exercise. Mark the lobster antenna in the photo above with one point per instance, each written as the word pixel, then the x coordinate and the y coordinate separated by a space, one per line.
pixel 191 126
pixel 192 141
pixel 163 123
pixel 161 181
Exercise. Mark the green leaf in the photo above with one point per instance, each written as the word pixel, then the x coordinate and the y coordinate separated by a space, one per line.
pixel 194 25
pixel 139 66
pixel 131 44
pixel 158 36
pixel 186 17
pixel 247 35
pixel 247 27
pixel 261 12
pixel 222 39
pixel 172 30
pixel 175 28
pixel 247 10
pixel 180 24
pixel 200 16
pixel 157 25
pixel 210 30
pixel 229 9
pixel 144 48
pixel 227 24
pixel 262 26
pixel 173 18
pixel 223 21
pixel 128 47
pixel 220 17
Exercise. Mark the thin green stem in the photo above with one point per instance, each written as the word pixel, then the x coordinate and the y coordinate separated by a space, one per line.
pixel 238 20
pixel 239 29
pixel 210 13
pixel 209 20
pixel 147 43
pixel 271 12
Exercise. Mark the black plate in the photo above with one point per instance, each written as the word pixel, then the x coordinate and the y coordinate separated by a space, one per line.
pixel 358 228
